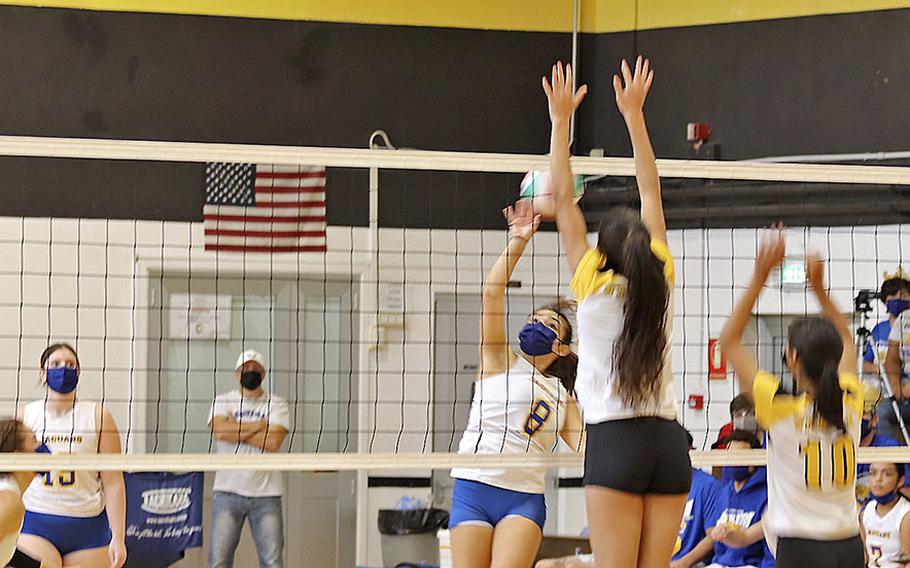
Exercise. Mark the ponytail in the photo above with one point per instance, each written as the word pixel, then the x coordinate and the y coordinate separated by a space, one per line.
pixel 829 397
pixel 565 369
pixel 818 347
pixel 639 352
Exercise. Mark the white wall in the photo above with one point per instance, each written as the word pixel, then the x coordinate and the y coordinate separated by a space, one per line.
pixel 81 280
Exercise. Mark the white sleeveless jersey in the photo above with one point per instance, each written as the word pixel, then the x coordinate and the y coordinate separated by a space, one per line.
pixel 8 543
pixel 601 307
pixel 883 534
pixel 516 412
pixel 66 493
pixel 811 466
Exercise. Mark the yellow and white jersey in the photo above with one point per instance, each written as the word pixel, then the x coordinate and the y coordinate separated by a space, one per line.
pixel 66 493
pixel 811 466
pixel 521 411
pixel 8 543
pixel 601 313
pixel 883 534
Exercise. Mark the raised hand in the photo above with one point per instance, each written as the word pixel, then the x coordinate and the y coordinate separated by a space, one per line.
pixel 523 223
pixel 815 272
pixel 632 90
pixel 771 251
pixel 562 100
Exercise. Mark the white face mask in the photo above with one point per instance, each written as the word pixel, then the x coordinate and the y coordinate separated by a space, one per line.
pixel 745 422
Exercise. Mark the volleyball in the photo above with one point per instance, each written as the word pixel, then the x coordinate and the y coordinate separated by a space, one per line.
pixel 536 187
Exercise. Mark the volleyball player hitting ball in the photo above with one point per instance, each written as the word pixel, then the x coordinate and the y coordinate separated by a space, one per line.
pixel 637 468
pixel 14 437
pixel 521 405
pixel 73 517
pixel 812 435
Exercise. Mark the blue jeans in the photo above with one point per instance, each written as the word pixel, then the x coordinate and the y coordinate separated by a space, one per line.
pixel 229 511
pixel 887 420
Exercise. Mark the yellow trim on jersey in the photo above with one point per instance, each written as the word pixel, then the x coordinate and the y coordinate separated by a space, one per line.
pixel 771 407
pixel 589 279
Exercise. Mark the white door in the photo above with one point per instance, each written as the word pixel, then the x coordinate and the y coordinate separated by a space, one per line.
pixel 302 329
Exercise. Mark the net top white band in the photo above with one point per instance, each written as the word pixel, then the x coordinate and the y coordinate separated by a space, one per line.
pixel 364 461
pixel 432 160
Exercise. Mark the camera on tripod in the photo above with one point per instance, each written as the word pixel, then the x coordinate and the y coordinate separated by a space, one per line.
pixel 864 300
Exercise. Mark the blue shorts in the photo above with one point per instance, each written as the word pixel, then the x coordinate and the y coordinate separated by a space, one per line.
pixel 69 534
pixel 479 504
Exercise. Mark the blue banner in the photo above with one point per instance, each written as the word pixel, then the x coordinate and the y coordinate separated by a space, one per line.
pixel 163 517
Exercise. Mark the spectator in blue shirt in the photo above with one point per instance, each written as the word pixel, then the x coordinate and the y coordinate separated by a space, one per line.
pixel 871 438
pixel 693 546
pixel 895 294
pixel 739 541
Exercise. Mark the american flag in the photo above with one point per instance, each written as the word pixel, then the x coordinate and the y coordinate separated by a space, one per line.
pixel 264 208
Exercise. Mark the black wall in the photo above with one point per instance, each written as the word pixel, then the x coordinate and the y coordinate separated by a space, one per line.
pixel 808 85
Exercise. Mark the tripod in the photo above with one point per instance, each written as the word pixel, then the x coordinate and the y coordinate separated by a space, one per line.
pixel 863 339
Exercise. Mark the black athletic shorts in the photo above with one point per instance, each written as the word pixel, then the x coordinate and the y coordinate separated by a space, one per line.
pixel 805 553
pixel 639 455
pixel 23 560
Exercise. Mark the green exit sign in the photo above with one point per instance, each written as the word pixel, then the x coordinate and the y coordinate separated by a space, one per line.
pixel 793 272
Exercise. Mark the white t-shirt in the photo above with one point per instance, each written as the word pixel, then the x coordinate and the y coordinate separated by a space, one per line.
pixel 900 333
pixel 8 543
pixel 811 466
pixel 883 534
pixel 249 483
pixel 517 412
pixel 601 305
pixel 65 493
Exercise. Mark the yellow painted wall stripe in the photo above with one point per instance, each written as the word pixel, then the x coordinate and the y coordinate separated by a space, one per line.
pixel 598 16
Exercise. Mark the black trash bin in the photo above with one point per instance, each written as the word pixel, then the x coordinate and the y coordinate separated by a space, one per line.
pixel 410 536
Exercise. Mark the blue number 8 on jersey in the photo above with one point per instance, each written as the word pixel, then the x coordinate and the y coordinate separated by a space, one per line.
pixel 537 418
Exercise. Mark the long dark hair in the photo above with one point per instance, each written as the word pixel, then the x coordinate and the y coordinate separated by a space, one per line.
pixel 10 435
pixel 565 368
pixel 639 351
pixel 818 348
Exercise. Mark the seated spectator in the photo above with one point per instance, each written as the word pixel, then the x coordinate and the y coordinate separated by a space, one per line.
pixel 871 438
pixel 736 520
pixel 897 365
pixel 895 294
pixel 693 545
pixel 885 521
pixel 742 417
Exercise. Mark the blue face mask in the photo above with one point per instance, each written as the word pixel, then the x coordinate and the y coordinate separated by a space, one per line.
pixel 884 499
pixel 895 307
pixel 736 473
pixel 62 379
pixel 536 339
pixel 865 428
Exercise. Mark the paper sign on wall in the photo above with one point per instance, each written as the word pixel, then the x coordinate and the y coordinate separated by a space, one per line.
pixel 199 316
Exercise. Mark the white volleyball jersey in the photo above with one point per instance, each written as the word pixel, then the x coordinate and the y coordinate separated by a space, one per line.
pixel 811 466
pixel 601 315
pixel 66 493
pixel 900 334
pixel 8 543
pixel 516 412
pixel 883 534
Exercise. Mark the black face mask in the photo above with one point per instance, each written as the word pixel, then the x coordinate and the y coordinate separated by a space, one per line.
pixel 250 380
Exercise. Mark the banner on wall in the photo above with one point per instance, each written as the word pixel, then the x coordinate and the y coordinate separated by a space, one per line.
pixel 163 517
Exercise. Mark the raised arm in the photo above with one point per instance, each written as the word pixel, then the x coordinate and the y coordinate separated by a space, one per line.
pixel 570 221
pixel 770 254
pixel 495 355
pixel 631 101
pixel 815 272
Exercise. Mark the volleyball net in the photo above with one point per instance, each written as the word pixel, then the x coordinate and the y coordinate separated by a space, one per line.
pixel 358 273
